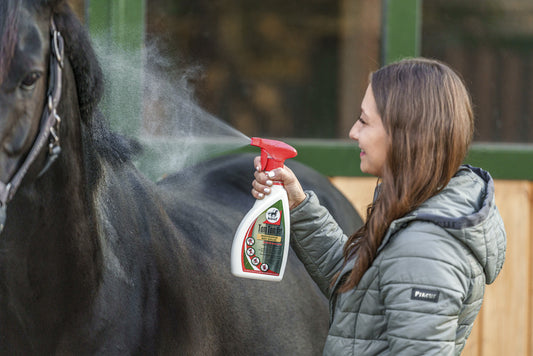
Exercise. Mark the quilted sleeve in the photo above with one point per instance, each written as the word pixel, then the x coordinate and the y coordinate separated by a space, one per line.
pixel 423 282
pixel 317 240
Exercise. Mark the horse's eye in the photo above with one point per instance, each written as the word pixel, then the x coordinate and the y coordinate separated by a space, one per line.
pixel 29 81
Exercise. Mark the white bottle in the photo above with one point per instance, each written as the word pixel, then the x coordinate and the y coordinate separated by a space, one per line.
pixel 261 242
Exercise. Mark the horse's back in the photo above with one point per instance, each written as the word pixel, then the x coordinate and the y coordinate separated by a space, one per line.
pixel 232 315
pixel 228 180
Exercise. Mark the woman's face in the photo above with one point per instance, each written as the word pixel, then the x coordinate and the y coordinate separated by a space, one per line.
pixel 369 132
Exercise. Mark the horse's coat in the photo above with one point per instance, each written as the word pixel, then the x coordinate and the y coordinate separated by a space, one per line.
pixel 96 259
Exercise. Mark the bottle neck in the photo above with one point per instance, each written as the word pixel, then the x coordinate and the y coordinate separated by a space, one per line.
pixel 277 186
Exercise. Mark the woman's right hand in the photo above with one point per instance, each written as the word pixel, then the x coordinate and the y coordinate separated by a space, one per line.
pixel 263 182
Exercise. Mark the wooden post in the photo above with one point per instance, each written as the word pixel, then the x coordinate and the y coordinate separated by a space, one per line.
pixel 118 28
pixel 401 29
pixel 359 55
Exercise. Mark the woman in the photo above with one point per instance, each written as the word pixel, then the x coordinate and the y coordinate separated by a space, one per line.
pixel 411 280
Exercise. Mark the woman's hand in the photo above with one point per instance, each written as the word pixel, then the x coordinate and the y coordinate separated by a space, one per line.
pixel 263 182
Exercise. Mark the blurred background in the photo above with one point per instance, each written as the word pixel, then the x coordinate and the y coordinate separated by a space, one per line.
pixel 299 68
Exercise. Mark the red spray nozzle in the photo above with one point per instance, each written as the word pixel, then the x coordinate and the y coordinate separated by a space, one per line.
pixel 273 153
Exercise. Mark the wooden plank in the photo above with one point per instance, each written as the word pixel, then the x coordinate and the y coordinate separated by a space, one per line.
pixel 360 32
pixel 507 305
pixel 359 191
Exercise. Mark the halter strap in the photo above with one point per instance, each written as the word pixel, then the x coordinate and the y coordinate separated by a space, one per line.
pixel 49 127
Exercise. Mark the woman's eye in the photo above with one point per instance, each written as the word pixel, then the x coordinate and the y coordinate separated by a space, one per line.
pixel 361 120
pixel 29 81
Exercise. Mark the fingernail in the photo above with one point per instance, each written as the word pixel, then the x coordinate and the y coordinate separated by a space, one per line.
pixel 258 168
pixel 269 183
pixel 271 174
pixel 266 190
pixel 260 195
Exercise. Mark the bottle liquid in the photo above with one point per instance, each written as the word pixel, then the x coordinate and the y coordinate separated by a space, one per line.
pixel 261 242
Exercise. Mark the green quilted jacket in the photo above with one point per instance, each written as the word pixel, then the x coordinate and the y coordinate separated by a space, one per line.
pixel 423 291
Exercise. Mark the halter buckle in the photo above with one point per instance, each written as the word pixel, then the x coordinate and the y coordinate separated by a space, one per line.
pixel 58 44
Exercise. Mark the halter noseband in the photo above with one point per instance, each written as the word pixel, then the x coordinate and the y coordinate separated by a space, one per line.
pixel 49 129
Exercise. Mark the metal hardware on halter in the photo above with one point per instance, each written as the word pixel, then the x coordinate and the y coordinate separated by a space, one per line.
pixel 54 148
pixel 50 124
pixel 58 50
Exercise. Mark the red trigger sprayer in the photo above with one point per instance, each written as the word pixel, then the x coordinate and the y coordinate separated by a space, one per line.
pixel 261 242
pixel 273 153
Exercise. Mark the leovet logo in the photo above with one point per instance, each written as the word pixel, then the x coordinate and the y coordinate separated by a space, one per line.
pixel 273 216
pixel 425 295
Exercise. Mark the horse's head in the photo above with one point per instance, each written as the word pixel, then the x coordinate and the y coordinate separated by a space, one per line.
pixel 25 48
pixel 27 71
pixel 31 77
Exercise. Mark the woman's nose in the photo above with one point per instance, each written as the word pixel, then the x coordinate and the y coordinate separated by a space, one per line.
pixel 354 132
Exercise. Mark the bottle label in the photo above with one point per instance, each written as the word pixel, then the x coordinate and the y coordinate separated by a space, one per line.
pixel 262 250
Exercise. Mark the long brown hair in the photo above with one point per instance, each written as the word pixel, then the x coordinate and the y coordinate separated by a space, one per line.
pixel 427 113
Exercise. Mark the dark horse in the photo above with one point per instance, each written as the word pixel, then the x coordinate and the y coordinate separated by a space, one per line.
pixel 96 259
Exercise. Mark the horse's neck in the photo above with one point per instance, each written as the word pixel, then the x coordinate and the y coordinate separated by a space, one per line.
pixel 51 262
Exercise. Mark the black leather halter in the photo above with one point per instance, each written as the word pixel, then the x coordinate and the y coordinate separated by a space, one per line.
pixel 49 126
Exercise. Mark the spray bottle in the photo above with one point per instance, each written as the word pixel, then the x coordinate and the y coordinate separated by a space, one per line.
pixel 261 242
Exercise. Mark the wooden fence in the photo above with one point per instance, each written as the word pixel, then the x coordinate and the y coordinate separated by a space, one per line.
pixel 505 323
